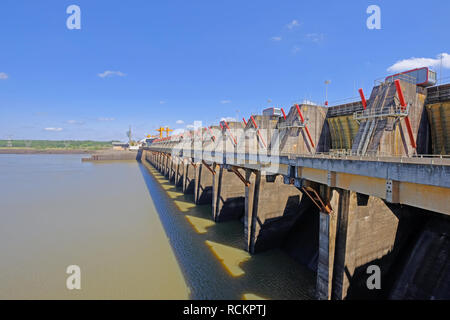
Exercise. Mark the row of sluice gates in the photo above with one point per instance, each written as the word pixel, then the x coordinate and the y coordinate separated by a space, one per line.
pixel 410 246
pixel 381 126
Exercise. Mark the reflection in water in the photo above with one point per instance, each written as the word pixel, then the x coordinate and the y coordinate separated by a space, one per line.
pixel 213 257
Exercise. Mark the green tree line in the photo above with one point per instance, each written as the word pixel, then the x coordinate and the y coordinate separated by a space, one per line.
pixel 54 144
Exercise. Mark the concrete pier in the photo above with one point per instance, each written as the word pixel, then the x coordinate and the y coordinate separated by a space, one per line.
pixel 370 232
pixel 228 201
pixel 189 169
pixel 203 183
pixel 328 222
pixel 270 210
pixel 112 156
pixel 179 173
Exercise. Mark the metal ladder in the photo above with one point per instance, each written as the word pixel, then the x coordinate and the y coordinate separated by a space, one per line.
pixel 370 124
pixel 368 136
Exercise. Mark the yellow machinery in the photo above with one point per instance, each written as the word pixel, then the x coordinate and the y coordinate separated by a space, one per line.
pixel 168 131
pixel 161 130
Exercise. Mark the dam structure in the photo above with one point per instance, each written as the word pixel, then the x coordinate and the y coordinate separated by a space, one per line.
pixel 343 189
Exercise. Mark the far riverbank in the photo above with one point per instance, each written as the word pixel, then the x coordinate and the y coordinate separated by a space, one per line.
pixel 45 151
pixel 95 155
pixel 55 151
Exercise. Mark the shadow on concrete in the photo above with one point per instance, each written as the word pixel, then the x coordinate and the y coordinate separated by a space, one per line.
pixel 302 240
pixel 393 264
pixel 205 195
pixel 274 231
pixel 425 274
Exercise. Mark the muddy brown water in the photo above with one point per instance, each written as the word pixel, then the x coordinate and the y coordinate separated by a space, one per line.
pixel 133 235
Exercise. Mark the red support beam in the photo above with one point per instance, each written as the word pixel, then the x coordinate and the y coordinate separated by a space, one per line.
pixel 300 113
pixel 245 122
pixel 410 133
pixel 400 94
pixel 254 122
pixel 306 128
pixel 232 137
pixel 284 114
pixel 407 121
pixel 363 98
pixel 213 137
pixel 262 140
pixel 257 131
pixel 240 176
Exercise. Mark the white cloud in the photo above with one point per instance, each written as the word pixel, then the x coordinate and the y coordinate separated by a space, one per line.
pixel 413 63
pixel 179 122
pixel 3 76
pixel 109 73
pixel 276 38
pixel 296 49
pixel 106 119
pixel 162 102
pixel 315 37
pixel 75 122
pixel 228 119
pixel 53 129
pixel 225 101
pixel 293 24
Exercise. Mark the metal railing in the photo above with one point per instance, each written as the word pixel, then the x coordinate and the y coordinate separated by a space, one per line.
pixel 345 109
pixel 401 76
pixel 295 124
pixel 343 154
pixel 438 94
pixel 375 154
pixel 392 111
pixel 346 154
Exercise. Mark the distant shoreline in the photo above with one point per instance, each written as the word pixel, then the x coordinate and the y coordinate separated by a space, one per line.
pixel 46 151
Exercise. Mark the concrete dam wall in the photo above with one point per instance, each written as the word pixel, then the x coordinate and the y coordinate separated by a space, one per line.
pixel 343 190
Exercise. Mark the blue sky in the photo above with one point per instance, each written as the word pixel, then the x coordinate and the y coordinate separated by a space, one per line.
pixel 195 60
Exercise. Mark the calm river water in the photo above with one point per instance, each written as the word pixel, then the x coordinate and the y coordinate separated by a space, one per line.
pixel 133 235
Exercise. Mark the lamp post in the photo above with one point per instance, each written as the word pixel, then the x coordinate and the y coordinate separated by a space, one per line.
pixel 327 82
